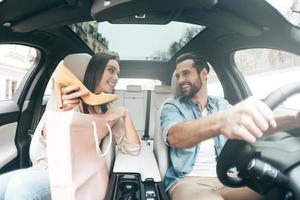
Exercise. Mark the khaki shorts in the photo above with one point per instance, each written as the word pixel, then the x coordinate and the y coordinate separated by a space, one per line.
pixel 209 188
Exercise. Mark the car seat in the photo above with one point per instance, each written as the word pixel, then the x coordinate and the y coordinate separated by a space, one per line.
pixel 159 147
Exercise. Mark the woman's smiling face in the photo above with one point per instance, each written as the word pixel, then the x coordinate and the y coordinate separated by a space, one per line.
pixel 110 77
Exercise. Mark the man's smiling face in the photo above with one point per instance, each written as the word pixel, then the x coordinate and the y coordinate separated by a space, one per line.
pixel 188 79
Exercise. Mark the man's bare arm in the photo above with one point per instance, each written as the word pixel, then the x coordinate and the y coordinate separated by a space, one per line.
pixel 285 122
pixel 190 133
pixel 246 121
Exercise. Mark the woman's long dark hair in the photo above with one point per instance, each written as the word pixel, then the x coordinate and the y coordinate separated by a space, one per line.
pixel 94 73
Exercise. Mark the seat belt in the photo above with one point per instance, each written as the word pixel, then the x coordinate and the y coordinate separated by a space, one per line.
pixel 147 120
pixel 38 107
pixel 37 115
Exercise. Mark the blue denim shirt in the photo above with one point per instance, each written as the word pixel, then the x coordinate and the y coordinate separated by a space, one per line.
pixel 184 109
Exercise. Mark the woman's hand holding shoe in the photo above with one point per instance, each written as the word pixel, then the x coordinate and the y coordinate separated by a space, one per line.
pixel 71 97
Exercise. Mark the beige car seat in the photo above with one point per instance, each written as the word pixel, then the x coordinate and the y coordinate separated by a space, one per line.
pixel 160 148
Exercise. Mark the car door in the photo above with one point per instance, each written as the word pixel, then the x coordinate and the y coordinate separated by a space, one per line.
pixel 16 64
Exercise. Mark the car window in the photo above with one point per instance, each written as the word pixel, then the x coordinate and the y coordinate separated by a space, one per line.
pixel 146 41
pixel 214 86
pixel 267 69
pixel 15 61
pixel 290 10
pixel 146 84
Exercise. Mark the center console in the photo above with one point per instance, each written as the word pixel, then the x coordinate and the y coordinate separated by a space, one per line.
pixel 136 178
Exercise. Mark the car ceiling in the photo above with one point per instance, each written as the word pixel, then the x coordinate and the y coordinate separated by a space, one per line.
pixel 28 15
pixel 231 25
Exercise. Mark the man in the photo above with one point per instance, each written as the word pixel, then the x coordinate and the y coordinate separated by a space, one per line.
pixel 195 126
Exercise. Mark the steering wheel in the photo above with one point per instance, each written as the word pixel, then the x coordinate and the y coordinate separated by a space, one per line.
pixel 236 153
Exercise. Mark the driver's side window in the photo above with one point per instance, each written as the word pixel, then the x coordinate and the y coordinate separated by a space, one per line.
pixel 268 69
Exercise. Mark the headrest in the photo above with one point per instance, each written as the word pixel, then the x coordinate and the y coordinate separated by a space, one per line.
pixel 133 88
pixel 77 63
pixel 162 89
pixel 174 85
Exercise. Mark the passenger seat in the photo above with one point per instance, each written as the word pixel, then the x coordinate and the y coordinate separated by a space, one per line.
pixel 161 94
pixel 135 100
pixel 120 100
pixel 158 96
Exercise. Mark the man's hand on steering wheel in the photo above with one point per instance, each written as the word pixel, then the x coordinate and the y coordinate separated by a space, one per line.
pixel 263 121
pixel 247 120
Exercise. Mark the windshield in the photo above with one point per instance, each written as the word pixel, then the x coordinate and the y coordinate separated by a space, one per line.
pixel 137 42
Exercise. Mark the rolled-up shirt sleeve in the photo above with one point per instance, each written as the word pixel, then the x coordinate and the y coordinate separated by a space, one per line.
pixel 170 115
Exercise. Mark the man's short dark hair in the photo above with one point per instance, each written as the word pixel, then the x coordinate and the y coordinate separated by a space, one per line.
pixel 199 63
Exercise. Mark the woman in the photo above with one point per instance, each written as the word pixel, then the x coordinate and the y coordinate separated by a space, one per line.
pixel 101 75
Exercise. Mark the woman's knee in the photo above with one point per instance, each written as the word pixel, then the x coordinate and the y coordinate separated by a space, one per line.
pixel 28 184
pixel 4 181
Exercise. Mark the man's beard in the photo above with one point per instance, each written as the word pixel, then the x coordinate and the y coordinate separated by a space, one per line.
pixel 195 87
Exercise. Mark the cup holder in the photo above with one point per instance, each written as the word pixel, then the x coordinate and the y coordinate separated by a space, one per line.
pixel 128 188
pixel 128 197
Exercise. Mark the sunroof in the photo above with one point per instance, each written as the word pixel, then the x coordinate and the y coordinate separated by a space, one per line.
pixel 137 42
